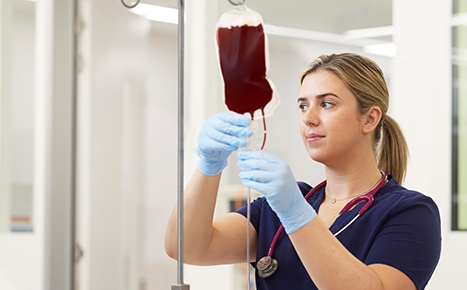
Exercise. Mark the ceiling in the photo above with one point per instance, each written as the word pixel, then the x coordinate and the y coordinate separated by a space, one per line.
pixel 334 17
pixel 331 16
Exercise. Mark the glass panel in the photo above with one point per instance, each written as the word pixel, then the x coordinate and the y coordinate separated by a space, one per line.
pixel 17 115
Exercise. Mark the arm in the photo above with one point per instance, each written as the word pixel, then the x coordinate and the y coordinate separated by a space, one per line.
pixel 212 241
pixel 314 243
pixel 329 264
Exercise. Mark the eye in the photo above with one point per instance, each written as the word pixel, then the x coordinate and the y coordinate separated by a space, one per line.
pixel 303 107
pixel 327 105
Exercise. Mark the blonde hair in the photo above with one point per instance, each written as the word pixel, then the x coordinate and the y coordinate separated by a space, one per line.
pixel 365 80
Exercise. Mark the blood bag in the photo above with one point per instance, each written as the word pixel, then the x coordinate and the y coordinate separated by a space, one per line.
pixel 243 58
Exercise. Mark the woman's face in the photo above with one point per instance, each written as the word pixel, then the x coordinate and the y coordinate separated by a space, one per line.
pixel 330 123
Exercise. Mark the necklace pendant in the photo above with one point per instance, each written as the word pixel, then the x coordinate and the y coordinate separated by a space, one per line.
pixel 333 200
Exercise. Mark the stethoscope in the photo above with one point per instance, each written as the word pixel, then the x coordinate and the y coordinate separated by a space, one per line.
pixel 267 266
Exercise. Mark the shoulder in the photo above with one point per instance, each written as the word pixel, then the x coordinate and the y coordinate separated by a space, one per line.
pixel 397 198
pixel 411 214
pixel 407 232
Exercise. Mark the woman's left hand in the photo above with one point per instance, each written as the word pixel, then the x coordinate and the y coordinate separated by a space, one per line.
pixel 272 177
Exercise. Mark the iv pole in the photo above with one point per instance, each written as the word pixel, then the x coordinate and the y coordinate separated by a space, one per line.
pixel 181 82
pixel 180 208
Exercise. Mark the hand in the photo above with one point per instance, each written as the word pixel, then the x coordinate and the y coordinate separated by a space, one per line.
pixel 222 134
pixel 272 177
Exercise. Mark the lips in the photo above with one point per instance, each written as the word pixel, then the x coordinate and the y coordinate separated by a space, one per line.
pixel 313 137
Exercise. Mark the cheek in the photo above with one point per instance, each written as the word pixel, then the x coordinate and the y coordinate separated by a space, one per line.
pixel 302 128
pixel 347 130
pixel 345 121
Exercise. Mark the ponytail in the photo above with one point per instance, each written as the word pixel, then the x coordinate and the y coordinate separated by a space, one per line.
pixel 393 153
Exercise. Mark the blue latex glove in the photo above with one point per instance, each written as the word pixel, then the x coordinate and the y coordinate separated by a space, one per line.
pixel 220 135
pixel 272 177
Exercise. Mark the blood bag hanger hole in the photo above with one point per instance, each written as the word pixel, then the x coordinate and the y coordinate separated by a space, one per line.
pixel 236 3
pixel 130 6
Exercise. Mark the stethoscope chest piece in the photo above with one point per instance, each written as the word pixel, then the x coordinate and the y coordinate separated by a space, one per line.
pixel 266 266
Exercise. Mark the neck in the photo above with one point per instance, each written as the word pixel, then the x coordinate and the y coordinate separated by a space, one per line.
pixel 342 184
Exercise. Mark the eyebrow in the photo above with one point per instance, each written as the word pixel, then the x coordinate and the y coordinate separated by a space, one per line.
pixel 320 96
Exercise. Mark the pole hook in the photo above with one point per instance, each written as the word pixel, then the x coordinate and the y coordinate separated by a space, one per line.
pixel 239 2
pixel 129 6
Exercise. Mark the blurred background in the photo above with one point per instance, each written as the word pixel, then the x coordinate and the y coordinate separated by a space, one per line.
pixel 88 126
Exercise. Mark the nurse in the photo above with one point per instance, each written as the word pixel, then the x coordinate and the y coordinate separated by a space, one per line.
pixel 344 125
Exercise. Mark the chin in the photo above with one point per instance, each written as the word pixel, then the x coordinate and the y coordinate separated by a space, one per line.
pixel 315 156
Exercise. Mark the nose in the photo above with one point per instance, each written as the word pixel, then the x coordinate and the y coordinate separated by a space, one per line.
pixel 310 117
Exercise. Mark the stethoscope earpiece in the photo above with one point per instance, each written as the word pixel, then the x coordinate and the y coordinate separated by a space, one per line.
pixel 266 266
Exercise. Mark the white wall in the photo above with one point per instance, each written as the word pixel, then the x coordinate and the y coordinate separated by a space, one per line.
pixel 160 150
pixel 114 66
pixel 421 93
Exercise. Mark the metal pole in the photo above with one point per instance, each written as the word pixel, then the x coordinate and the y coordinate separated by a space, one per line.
pixel 181 81
pixel 181 104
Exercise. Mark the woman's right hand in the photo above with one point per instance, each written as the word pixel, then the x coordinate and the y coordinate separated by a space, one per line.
pixel 221 134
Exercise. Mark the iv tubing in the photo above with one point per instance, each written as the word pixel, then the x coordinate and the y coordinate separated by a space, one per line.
pixel 251 146
pixel 248 235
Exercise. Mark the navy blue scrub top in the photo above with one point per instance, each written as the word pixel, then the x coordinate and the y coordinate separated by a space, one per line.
pixel 401 229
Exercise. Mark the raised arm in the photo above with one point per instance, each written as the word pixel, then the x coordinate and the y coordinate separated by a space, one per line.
pixel 210 241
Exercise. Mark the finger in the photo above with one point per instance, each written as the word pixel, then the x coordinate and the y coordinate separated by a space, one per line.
pixel 223 138
pixel 223 132
pixel 234 119
pixel 253 185
pixel 258 155
pixel 255 165
pixel 208 144
pixel 257 176
pixel 253 160
pixel 232 124
pixel 265 188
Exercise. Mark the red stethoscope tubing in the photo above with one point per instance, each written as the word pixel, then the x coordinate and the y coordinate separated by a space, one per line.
pixel 369 197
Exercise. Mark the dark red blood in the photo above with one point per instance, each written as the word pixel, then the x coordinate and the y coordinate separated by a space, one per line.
pixel 243 65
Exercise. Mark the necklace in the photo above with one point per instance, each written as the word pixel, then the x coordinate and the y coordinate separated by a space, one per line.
pixel 333 199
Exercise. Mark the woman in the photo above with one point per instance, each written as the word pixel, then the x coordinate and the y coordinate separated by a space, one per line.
pixel 395 244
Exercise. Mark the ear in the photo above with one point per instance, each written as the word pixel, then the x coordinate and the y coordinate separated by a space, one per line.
pixel 371 119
